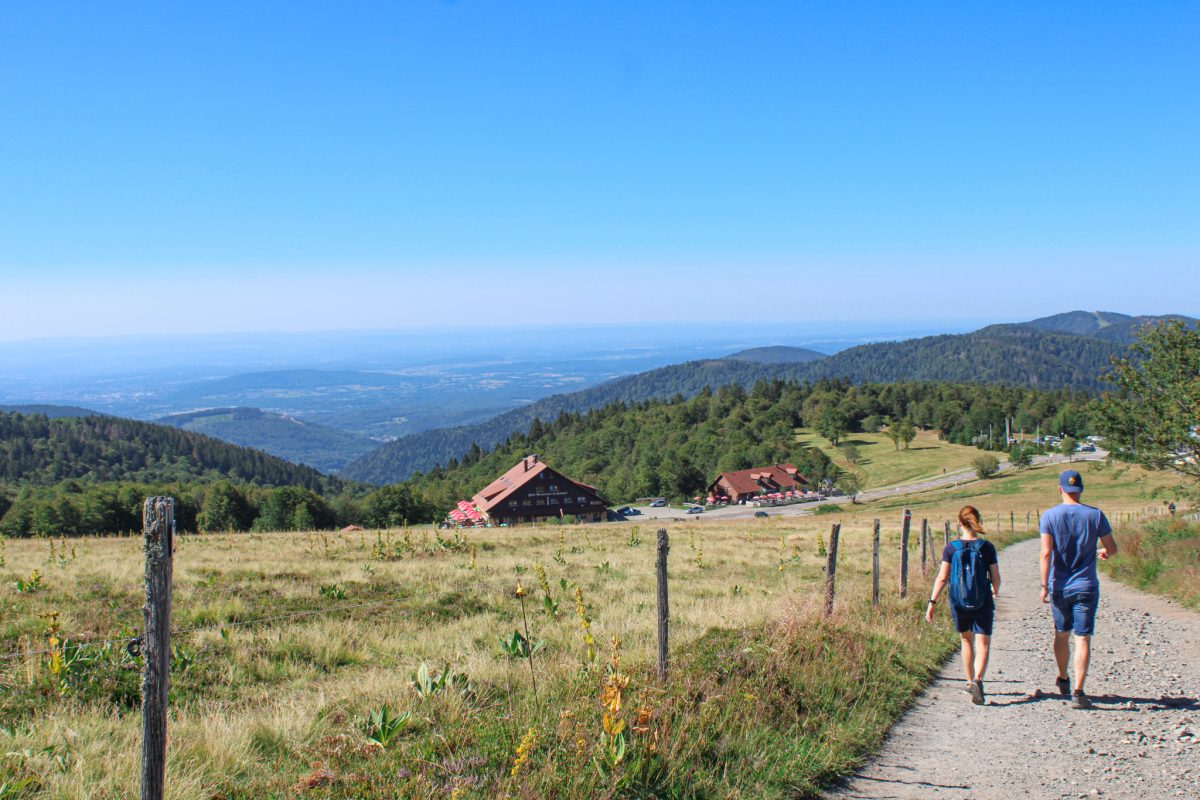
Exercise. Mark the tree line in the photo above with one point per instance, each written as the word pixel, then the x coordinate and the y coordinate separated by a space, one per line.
pixel 669 447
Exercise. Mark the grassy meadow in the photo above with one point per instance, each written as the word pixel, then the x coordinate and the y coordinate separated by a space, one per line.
pixel 1161 556
pixel 410 682
pixel 881 464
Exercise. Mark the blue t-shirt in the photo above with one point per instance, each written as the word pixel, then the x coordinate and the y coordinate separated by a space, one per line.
pixel 1076 529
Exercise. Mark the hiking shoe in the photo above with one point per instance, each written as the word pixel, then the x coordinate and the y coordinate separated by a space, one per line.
pixel 977 693
pixel 1064 686
pixel 1080 700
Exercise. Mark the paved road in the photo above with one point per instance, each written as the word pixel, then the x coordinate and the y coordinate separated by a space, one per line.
pixel 1141 741
pixel 953 478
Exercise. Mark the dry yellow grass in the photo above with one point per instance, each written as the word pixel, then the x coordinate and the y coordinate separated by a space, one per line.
pixel 260 692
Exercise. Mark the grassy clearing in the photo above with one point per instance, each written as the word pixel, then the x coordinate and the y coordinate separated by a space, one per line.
pixel 881 464
pixel 1161 556
pixel 766 699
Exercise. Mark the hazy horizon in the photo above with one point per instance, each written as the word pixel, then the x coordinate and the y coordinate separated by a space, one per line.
pixel 215 168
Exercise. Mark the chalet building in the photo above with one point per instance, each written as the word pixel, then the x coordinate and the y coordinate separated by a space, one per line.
pixel 747 484
pixel 533 492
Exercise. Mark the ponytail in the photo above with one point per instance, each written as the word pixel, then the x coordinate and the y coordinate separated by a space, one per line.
pixel 968 517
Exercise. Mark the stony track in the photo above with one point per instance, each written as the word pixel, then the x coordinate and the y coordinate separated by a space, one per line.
pixel 1141 740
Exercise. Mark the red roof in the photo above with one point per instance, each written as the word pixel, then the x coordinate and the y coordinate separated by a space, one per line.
pixel 495 492
pixel 758 479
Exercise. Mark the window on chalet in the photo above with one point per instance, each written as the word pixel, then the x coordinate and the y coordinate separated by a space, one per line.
pixel 553 488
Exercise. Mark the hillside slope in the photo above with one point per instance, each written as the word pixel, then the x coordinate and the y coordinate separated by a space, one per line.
pixel 36 450
pixel 397 460
pixel 301 442
pixel 1000 354
pixel 1109 326
pixel 776 354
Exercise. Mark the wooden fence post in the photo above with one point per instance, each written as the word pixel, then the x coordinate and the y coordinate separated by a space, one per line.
pixel 664 613
pixel 1012 522
pixel 831 568
pixel 946 535
pixel 924 546
pixel 904 554
pixel 158 527
pixel 875 565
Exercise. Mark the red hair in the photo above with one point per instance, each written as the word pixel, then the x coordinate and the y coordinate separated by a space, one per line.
pixel 968 517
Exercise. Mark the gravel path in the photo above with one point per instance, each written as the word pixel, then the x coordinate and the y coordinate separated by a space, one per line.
pixel 1142 739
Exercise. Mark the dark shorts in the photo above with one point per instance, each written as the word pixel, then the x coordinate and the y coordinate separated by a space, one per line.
pixel 973 621
pixel 1075 612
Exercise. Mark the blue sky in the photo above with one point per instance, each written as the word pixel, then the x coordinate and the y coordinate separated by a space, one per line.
pixel 296 166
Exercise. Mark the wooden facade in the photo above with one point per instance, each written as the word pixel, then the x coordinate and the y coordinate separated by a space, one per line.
pixel 533 492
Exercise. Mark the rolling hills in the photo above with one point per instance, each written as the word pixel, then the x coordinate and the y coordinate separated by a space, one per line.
pixel 1016 354
pixel 296 440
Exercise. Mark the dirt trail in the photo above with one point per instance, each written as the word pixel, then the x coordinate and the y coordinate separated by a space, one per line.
pixel 1142 739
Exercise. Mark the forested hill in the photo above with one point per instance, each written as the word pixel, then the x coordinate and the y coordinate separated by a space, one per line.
pixel 1000 354
pixel 421 452
pixel 48 410
pixel 36 450
pixel 776 354
pixel 1107 325
pixel 299 441
pixel 676 447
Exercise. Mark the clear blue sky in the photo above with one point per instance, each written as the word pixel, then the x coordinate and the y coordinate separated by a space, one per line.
pixel 258 166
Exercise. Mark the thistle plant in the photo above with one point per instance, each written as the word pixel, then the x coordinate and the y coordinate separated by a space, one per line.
pixel 821 551
pixel 635 540
pixel 474 560
pixel 3 553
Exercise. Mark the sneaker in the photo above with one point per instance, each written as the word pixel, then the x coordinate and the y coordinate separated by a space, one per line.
pixel 1080 700
pixel 977 693
pixel 1064 686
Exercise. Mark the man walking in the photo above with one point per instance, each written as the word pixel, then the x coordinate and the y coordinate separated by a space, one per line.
pixel 1070 533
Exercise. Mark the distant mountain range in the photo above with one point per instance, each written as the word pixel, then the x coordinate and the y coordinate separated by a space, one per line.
pixel 1071 350
pixel 320 446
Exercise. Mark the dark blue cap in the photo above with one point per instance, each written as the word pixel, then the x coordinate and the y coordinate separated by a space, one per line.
pixel 1070 481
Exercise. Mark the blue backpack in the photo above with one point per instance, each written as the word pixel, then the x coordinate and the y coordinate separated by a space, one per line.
pixel 970 586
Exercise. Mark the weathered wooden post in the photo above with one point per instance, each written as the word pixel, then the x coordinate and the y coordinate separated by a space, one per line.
pixel 158 527
pixel 924 546
pixel 664 613
pixel 875 565
pixel 946 535
pixel 1012 522
pixel 831 568
pixel 904 553
pixel 1026 520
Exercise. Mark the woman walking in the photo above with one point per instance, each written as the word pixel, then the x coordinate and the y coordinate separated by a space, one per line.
pixel 972 569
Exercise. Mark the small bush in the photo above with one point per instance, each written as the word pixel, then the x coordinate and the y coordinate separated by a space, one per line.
pixel 986 465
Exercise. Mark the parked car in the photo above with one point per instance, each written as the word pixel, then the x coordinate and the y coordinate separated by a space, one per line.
pixel 695 510
pixel 761 514
pixel 624 511
pixel 658 503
